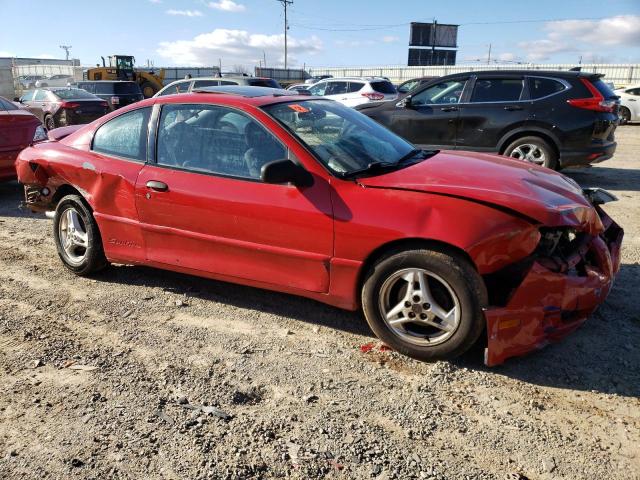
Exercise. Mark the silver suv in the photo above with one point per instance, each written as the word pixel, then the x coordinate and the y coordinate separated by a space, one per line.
pixel 189 84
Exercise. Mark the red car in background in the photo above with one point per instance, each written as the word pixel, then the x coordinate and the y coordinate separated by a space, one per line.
pixel 307 196
pixel 18 128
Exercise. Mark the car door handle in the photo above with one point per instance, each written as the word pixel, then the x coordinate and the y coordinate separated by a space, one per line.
pixel 157 186
pixel 632 99
pixel 449 109
pixel 512 108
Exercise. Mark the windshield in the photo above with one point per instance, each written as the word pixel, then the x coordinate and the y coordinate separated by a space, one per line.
pixel 344 140
pixel 73 94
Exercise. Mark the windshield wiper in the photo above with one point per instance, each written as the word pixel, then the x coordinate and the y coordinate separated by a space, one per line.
pixel 415 152
pixel 370 168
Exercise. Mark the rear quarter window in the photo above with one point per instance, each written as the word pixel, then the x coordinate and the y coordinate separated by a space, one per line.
pixel 543 87
pixel 383 87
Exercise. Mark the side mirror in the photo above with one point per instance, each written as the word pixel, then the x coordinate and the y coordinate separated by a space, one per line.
pixel 285 171
pixel 16 99
pixel 405 102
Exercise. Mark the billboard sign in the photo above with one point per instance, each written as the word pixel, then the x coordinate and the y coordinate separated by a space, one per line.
pixel 433 35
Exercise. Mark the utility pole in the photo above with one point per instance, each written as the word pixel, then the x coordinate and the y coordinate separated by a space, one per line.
pixel 66 48
pixel 489 55
pixel 285 4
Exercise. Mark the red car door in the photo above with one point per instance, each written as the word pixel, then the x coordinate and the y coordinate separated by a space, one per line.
pixel 203 207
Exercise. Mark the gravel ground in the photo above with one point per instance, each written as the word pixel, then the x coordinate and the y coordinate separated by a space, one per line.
pixel 139 373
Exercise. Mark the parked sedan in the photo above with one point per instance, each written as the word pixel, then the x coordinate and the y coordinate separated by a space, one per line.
pixel 18 128
pixel 554 119
pixel 64 106
pixel 629 104
pixel 60 80
pixel 313 198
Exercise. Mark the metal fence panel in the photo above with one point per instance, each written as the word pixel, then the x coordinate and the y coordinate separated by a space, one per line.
pixel 619 74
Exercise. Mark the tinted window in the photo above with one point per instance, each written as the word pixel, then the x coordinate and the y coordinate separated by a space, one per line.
pixel 354 87
pixel 228 82
pixel 103 88
pixel 445 92
pixel 41 96
pixel 206 83
pixel 87 86
pixel 6 105
pixel 497 90
pixel 336 88
pixel 127 88
pixel 213 139
pixel 124 136
pixel 264 82
pixel 543 87
pixel 383 87
pixel 407 86
pixel 73 94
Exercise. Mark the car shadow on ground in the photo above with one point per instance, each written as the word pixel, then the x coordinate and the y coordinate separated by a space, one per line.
pixel 240 296
pixel 598 357
pixel 611 178
pixel 11 198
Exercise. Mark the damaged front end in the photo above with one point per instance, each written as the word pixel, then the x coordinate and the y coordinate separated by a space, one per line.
pixel 551 293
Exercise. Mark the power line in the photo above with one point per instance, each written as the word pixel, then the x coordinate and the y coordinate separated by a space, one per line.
pixel 365 27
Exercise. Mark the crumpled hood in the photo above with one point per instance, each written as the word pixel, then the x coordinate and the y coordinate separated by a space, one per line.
pixel 541 194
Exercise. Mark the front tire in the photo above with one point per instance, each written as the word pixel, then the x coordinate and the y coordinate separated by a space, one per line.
pixel 534 150
pixel 425 304
pixel 77 237
pixel 148 89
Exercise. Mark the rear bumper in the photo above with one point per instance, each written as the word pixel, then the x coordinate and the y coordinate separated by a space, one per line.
pixel 594 154
pixel 547 305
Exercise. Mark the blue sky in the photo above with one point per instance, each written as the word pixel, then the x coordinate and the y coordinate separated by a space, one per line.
pixel 322 33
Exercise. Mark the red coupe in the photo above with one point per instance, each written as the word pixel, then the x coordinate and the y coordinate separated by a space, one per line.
pixel 309 197
pixel 18 128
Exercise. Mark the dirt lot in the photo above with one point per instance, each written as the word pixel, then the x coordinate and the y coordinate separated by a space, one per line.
pixel 107 377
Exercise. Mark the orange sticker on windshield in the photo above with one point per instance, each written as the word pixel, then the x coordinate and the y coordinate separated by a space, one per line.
pixel 298 108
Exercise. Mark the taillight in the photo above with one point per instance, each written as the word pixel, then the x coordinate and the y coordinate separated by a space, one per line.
pixel 115 100
pixel 373 96
pixel 69 105
pixel 596 103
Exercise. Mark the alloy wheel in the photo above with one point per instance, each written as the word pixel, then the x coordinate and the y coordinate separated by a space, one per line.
pixel 529 152
pixel 73 236
pixel 419 306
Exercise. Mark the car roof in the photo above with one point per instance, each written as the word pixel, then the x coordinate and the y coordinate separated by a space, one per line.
pixel 359 79
pixel 245 91
pixel 536 73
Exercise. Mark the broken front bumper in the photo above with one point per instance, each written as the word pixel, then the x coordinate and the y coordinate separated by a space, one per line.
pixel 547 305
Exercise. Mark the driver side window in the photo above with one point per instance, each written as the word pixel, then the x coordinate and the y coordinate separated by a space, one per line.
pixel 441 93
pixel 215 139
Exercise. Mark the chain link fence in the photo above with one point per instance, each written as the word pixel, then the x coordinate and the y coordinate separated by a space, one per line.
pixel 619 74
pixel 16 79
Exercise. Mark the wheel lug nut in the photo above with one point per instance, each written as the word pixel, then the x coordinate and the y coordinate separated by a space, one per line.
pixel 416 298
pixel 426 306
pixel 407 304
pixel 412 315
pixel 423 316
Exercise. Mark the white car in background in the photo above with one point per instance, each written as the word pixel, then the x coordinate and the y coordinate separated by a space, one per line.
pixel 629 110
pixel 60 80
pixel 352 91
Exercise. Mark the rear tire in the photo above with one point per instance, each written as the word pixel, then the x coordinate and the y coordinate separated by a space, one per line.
pixel 49 122
pixel 624 116
pixel 534 150
pixel 425 304
pixel 77 237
